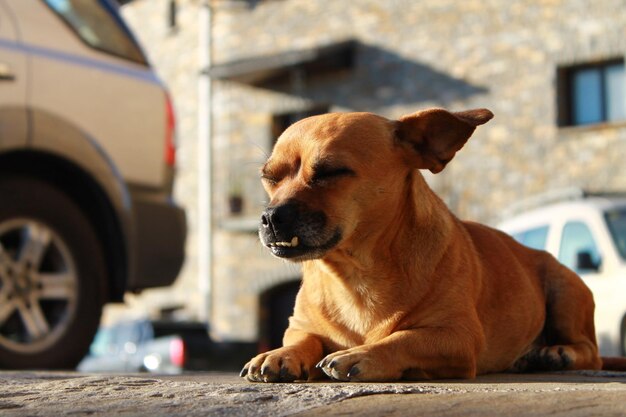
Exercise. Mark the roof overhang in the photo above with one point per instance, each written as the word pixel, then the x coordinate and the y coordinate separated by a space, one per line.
pixel 279 68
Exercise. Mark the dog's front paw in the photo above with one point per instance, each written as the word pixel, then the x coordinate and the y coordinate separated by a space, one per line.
pixel 358 364
pixel 548 358
pixel 556 358
pixel 279 365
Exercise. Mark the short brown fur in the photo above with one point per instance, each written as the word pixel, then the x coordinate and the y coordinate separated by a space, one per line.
pixel 394 285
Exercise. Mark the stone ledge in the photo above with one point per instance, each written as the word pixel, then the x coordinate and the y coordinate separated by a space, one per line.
pixel 562 394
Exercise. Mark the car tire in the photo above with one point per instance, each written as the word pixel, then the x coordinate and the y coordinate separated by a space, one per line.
pixel 52 277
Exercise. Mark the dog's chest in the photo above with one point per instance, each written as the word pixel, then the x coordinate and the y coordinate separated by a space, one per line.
pixel 361 313
pixel 355 313
pixel 355 309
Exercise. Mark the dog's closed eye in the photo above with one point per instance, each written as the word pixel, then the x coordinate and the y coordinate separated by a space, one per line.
pixel 269 179
pixel 323 174
pixel 272 175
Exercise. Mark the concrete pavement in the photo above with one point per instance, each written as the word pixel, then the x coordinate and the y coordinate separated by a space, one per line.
pixel 571 394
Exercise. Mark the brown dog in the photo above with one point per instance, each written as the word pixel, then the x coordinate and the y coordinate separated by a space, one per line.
pixel 395 286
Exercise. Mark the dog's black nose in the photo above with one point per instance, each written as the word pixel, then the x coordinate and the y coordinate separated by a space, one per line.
pixel 279 217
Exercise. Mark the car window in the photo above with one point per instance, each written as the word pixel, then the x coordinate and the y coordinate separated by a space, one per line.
pixel 616 221
pixel 534 238
pixel 102 343
pixel 126 332
pixel 97 24
pixel 577 238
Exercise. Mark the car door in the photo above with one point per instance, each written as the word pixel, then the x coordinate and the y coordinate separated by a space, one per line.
pixel 88 71
pixel 580 250
pixel 13 82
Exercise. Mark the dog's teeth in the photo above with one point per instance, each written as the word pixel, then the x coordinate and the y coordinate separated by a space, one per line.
pixel 294 242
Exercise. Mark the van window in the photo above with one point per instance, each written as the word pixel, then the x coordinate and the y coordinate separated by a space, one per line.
pixel 577 238
pixel 98 25
pixel 533 238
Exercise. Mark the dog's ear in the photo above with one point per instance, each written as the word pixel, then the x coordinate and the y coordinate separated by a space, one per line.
pixel 435 135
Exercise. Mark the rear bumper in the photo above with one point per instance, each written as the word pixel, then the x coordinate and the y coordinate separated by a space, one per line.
pixel 158 251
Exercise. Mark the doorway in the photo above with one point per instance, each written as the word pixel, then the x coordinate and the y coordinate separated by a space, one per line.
pixel 276 307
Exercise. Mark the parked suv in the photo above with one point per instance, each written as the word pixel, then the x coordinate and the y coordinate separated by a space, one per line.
pixel 86 171
pixel 587 233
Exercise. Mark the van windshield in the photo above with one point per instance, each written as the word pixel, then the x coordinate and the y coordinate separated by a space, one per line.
pixel 616 220
pixel 98 24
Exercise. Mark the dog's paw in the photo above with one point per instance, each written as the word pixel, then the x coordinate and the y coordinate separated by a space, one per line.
pixel 279 365
pixel 557 358
pixel 549 358
pixel 357 364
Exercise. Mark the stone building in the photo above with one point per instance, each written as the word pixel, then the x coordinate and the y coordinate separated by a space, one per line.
pixel 552 71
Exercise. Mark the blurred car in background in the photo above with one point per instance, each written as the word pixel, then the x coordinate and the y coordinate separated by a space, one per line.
pixel 149 345
pixel 587 233
pixel 161 346
pixel 87 159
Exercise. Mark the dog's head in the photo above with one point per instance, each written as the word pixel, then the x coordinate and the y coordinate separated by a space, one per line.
pixel 330 174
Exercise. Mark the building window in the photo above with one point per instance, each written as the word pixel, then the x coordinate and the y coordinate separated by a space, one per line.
pixel 280 122
pixel 591 93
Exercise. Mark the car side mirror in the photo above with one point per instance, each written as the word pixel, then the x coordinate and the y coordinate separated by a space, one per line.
pixel 585 262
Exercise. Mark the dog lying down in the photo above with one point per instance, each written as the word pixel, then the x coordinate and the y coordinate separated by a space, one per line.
pixel 394 285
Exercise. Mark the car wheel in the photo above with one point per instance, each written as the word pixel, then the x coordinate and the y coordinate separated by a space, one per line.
pixel 51 277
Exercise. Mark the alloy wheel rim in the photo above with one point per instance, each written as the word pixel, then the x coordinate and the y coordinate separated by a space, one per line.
pixel 38 286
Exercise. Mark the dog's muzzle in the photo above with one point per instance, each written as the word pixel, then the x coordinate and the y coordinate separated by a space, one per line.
pixel 291 231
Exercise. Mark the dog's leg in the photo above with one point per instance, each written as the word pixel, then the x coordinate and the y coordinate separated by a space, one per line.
pixel 294 361
pixel 568 339
pixel 425 353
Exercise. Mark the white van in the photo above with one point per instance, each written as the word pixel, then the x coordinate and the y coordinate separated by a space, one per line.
pixel 587 233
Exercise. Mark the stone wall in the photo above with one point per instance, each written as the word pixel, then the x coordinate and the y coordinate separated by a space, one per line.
pixel 498 54
pixel 173 53
pixel 415 54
